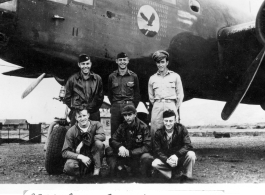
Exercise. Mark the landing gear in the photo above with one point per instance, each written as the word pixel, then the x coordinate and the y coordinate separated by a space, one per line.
pixel 54 161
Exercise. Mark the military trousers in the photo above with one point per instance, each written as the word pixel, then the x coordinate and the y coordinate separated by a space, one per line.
pixel 186 163
pixel 75 167
pixel 116 117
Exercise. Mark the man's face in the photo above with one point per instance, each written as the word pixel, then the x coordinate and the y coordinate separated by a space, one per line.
pixel 85 66
pixel 129 118
pixel 122 62
pixel 82 118
pixel 162 65
pixel 169 122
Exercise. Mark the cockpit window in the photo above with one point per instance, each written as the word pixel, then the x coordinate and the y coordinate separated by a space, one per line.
pixel 60 1
pixel 87 2
pixel 9 5
pixel 171 1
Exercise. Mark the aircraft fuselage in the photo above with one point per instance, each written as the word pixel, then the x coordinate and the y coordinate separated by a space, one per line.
pixel 47 36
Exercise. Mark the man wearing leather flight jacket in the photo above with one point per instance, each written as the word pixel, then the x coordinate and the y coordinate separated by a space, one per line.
pixel 131 145
pixel 84 89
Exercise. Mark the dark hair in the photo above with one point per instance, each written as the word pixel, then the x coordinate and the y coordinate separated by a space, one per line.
pixel 77 110
pixel 168 113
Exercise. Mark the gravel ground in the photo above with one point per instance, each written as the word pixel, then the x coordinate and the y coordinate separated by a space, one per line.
pixel 224 160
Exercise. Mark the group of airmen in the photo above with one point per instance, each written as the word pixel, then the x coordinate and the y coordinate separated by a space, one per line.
pixel 134 148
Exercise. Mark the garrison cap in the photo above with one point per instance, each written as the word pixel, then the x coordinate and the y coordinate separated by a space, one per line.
pixel 128 109
pixel 159 55
pixel 83 58
pixel 168 113
pixel 122 55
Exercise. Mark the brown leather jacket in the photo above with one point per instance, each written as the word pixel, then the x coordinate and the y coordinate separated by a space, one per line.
pixel 179 146
pixel 77 95
pixel 136 139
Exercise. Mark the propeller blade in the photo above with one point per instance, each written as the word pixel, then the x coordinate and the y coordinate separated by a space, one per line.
pixel 242 89
pixel 32 86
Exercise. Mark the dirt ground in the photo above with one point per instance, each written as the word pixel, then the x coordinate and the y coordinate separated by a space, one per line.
pixel 224 160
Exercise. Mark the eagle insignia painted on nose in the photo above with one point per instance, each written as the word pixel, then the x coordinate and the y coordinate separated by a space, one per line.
pixel 150 21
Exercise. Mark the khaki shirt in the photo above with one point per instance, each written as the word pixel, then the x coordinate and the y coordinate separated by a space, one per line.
pixel 167 87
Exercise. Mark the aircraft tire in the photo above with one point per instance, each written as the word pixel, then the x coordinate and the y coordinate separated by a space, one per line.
pixel 54 161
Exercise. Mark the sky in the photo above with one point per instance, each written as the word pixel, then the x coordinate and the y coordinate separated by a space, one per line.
pixel 39 106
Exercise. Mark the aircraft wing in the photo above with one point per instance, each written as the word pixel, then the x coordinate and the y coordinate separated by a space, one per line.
pixel 27 73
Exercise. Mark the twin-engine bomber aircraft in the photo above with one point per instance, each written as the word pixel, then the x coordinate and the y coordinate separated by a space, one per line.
pixel 215 46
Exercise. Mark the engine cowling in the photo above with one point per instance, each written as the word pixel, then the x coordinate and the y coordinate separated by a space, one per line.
pixel 260 24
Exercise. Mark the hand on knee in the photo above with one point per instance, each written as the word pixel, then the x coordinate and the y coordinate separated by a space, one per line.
pixel 156 163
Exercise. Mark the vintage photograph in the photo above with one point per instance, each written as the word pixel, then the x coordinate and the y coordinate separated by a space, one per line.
pixel 132 92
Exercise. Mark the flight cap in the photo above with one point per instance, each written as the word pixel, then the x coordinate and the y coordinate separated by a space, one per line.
pixel 83 58
pixel 122 55
pixel 128 109
pixel 168 113
pixel 159 55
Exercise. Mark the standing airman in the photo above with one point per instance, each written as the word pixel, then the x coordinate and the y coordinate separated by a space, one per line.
pixel 165 90
pixel 123 89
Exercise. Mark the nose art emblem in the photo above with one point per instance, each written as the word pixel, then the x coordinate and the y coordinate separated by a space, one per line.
pixel 148 21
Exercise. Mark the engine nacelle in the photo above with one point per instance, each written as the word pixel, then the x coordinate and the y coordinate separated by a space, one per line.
pixel 260 24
